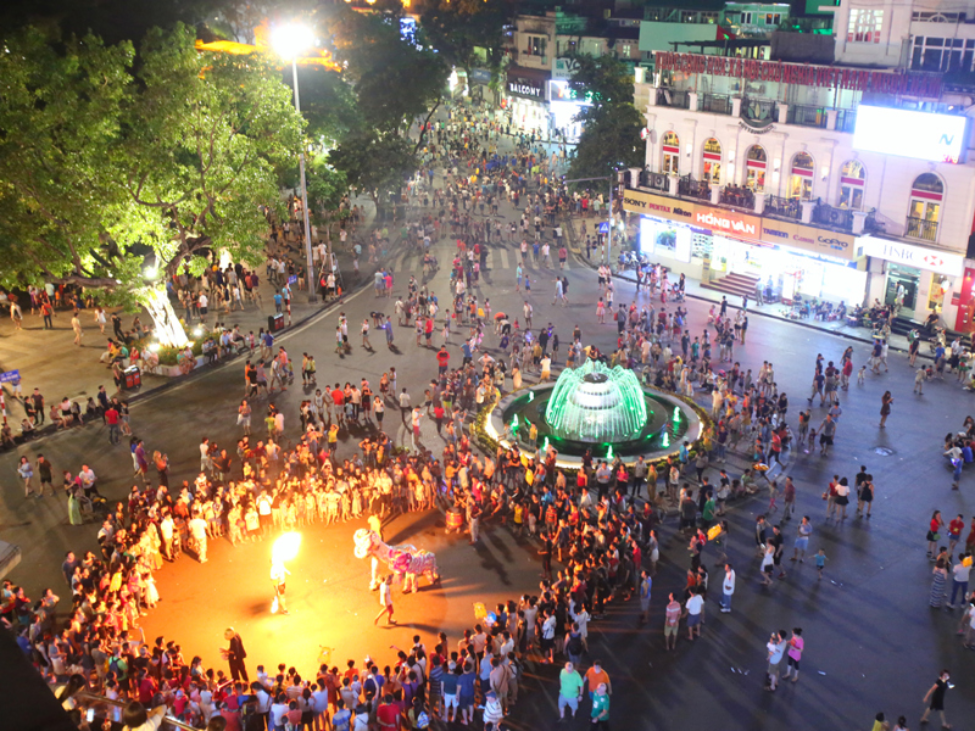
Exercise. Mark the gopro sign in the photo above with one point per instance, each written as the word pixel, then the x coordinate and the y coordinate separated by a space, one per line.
pixel 903 132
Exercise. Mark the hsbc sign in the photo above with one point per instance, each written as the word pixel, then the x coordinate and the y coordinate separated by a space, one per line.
pixel 942 262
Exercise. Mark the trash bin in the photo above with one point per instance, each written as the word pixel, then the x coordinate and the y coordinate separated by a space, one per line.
pixel 275 322
pixel 133 377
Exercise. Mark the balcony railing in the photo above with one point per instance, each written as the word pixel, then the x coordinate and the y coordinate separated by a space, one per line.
pixel 846 120
pixel 672 98
pixel 690 188
pixel 919 228
pixel 715 103
pixel 783 207
pixel 806 116
pixel 842 218
pixel 732 195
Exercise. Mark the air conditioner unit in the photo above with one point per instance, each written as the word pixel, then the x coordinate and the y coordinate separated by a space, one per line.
pixel 658 181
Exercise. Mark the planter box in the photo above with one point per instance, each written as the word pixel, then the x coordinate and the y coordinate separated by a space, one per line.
pixel 172 371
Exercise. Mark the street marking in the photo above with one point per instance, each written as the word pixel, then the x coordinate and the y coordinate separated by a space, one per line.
pixel 504 259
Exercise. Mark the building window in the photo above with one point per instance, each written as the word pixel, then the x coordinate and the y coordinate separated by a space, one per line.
pixel 671 150
pixel 852 178
pixel 536 46
pixel 756 163
pixel 626 51
pixel 865 25
pixel 709 18
pixel 746 18
pixel 801 180
pixel 712 161
pixel 942 54
pixel 772 18
pixel 927 194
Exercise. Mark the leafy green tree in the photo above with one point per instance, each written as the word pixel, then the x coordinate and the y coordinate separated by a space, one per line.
pixel 611 132
pixel 395 81
pixel 458 28
pixel 375 163
pixel 105 171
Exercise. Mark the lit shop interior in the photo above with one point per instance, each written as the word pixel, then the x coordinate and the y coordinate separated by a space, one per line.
pixel 708 256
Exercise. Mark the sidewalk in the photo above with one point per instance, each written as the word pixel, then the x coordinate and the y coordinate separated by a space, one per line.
pixel 49 360
pixel 695 290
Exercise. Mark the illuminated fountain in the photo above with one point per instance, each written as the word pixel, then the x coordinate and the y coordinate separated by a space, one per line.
pixel 595 403
pixel 595 407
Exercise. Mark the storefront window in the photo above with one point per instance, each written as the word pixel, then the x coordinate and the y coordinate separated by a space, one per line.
pixel 902 287
pixel 801 180
pixel 756 163
pixel 925 208
pixel 851 185
pixel 712 161
pixel 940 284
pixel 671 150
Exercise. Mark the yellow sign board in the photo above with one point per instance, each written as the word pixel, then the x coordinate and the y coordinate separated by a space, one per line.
pixel 749 227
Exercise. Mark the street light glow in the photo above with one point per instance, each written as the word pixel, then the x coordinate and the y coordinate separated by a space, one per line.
pixel 291 40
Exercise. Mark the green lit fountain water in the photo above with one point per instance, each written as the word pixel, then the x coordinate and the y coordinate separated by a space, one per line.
pixel 598 408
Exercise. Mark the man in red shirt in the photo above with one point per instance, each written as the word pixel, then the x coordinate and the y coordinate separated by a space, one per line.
pixel 388 714
pixel 112 418
pixel 338 398
pixel 443 358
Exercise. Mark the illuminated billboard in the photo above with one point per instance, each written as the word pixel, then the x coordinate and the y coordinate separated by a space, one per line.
pixel 925 136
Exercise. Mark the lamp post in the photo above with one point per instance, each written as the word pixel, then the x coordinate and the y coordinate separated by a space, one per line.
pixel 290 41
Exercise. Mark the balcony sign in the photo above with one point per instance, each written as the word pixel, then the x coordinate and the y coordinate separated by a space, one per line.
pixel 911 83
pixel 525 87
pixel 921 257
pixel 906 133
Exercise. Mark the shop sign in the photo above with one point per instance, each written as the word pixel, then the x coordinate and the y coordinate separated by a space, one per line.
pixel 480 76
pixel 565 67
pixel 919 257
pixel 909 83
pixel 809 238
pixel 525 87
pixel 749 228
pixel 705 217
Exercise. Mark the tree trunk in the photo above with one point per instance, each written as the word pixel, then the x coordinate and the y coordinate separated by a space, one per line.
pixel 169 330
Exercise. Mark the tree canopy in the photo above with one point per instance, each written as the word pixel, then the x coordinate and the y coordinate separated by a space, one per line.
pixel 457 28
pixel 611 132
pixel 107 158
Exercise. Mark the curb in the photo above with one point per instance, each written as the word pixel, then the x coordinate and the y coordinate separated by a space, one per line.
pixel 50 428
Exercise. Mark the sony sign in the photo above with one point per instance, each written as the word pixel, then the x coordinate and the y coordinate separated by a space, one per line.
pixel 907 133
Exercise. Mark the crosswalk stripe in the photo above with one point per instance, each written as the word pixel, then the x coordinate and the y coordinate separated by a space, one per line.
pixel 504 258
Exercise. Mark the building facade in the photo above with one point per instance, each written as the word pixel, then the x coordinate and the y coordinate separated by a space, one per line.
pixel 836 182
pixel 542 61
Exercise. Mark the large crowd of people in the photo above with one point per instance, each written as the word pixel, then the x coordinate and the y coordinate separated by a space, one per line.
pixel 596 532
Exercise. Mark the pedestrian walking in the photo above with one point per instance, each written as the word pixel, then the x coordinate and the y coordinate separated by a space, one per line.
pixel 794 655
pixel 885 402
pixel 776 647
pixel 935 698
pixel 727 588
pixel 386 601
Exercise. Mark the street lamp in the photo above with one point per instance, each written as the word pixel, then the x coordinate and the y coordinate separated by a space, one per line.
pixel 290 41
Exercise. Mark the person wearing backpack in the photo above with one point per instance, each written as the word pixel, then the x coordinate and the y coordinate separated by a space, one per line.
pixel 573 645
